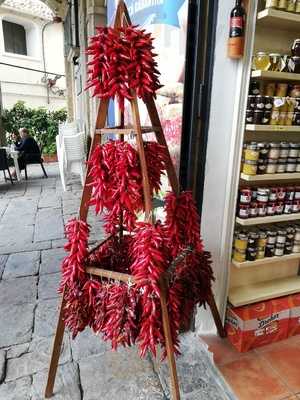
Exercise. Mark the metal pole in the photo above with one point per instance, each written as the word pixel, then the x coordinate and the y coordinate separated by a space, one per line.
pixel 2 137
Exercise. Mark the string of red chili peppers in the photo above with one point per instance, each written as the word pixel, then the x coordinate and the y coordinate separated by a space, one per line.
pixel 122 61
pixel 126 314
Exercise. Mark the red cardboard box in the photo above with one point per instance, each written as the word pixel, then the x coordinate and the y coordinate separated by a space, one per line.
pixel 294 322
pixel 258 324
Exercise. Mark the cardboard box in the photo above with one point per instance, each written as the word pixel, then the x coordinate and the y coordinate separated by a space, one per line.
pixel 258 324
pixel 294 322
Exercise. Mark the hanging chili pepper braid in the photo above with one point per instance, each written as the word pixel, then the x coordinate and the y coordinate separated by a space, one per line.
pixel 77 315
pixel 122 60
pixel 116 181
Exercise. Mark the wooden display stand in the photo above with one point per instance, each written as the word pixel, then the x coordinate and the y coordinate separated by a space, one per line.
pixel 122 19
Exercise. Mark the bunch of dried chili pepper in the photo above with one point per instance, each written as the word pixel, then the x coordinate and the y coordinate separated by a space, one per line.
pixel 116 181
pixel 122 61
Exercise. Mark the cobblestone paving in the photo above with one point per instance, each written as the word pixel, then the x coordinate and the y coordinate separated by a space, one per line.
pixel 32 217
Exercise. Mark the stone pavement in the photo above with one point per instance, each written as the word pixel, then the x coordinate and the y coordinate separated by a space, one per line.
pixel 32 217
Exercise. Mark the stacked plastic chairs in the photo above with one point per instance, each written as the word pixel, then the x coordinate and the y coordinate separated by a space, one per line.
pixel 71 154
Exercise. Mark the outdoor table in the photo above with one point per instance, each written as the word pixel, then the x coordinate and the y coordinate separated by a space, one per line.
pixel 14 154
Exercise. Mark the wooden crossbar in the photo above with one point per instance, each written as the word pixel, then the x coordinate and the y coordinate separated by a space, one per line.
pixel 125 131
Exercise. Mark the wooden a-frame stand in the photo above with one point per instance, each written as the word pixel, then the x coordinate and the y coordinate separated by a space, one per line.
pixel 122 18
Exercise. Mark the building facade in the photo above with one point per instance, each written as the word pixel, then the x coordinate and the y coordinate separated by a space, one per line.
pixel 32 63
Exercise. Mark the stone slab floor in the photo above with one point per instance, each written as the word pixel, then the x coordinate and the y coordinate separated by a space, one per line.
pixel 32 217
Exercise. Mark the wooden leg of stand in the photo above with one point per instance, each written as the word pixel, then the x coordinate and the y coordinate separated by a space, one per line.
pixel 215 312
pixel 60 329
pixel 169 345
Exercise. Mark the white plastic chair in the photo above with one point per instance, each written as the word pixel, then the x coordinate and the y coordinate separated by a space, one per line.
pixel 74 155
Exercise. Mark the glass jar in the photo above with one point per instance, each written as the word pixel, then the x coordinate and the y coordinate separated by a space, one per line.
pixel 284 150
pixel 297 233
pixel 273 194
pixel 270 89
pixel 281 166
pixel 261 61
pixel 274 151
pixel 288 207
pixel 291 102
pixel 291 165
pixel 241 241
pixel 253 212
pixel 289 118
pixel 296 247
pixel 296 206
pixel 294 150
pixel 270 250
pixel 271 236
pixel 271 209
pixel 255 88
pixel 267 117
pixel 258 117
pixel 298 165
pixel 271 3
pixel 262 239
pixel 251 253
pixel 268 103
pixel 281 90
pixel 279 207
pixel 282 118
pixel 239 255
pixel 275 62
pixel 251 152
pixel 281 236
pixel 279 250
pixel 263 150
pixel 275 117
pixel 245 195
pixel 298 6
pixel 249 116
pixel 291 7
pixel 295 49
pixel 297 104
pixel 262 167
pixel 271 166
pixel 251 102
pixel 296 120
pixel 281 193
pixel 263 195
pixel 297 193
pixel 282 5
pixel 243 211
pixel 250 167
pixel 290 193
pixel 259 102
pixel 294 65
pixel 262 209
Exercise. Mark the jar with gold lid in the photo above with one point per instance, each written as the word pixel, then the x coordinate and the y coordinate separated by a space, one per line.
pixel 291 7
pixel 261 61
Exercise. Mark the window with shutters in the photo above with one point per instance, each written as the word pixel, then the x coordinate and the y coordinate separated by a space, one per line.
pixel 14 38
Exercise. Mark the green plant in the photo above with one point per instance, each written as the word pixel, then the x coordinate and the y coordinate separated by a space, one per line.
pixel 41 123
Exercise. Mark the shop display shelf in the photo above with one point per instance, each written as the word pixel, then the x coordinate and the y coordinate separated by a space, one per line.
pixel 276 76
pixel 268 220
pixel 271 177
pixel 272 128
pixel 270 18
pixel 267 260
pixel 261 291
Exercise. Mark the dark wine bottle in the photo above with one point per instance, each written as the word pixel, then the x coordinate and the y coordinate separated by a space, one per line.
pixel 237 31
pixel 237 20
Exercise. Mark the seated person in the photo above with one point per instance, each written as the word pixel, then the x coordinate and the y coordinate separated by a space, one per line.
pixel 28 148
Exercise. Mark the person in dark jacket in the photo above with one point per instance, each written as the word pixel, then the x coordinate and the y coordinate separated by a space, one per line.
pixel 28 148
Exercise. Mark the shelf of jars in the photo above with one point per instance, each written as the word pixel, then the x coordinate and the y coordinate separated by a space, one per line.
pixel 272 128
pixel 267 219
pixel 276 19
pixel 286 176
pixel 274 76
pixel 266 260
pixel 249 294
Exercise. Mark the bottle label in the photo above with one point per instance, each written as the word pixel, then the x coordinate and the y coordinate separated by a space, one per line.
pixel 237 22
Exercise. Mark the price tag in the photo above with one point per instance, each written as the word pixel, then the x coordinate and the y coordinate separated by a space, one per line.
pixel 279 102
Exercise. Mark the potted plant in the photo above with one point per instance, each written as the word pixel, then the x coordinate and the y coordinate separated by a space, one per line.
pixel 49 153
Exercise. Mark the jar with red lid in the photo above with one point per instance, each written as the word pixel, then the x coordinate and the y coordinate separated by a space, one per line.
pixel 243 211
pixel 262 209
pixel 288 207
pixel 279 207
pixel 245 195
pixel 273 194
pixel 271 208
pixel 263 194
pixel 297 193
pixel 281 193
pixel 290 193
pixel 253 212
pixel 296 206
